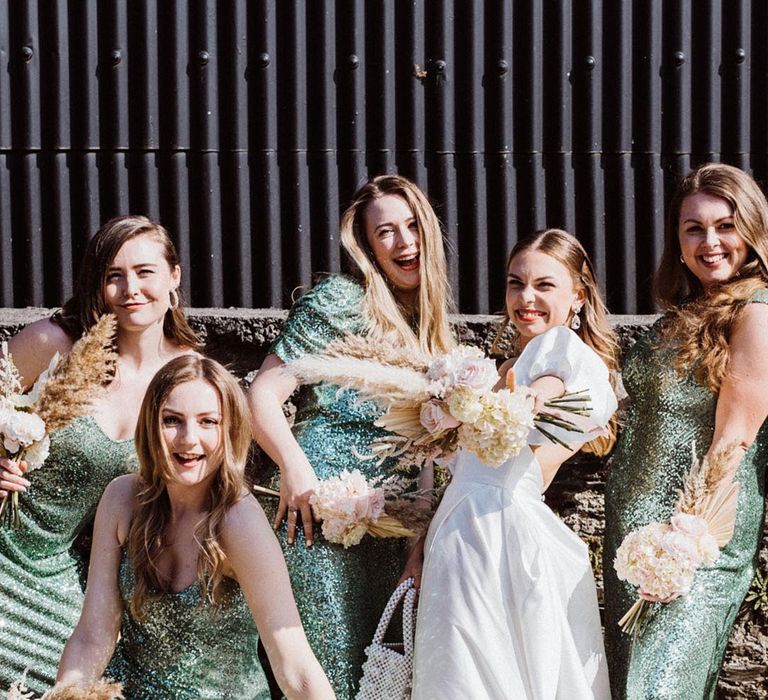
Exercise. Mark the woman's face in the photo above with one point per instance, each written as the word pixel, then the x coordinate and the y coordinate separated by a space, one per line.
pixel 712 249
pixel 394 238
pixel 191 425
pixel 540 293
pixel 139 283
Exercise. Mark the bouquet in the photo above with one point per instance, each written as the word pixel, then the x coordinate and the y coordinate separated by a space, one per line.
pixel 661 559
pixel 434 405
pixel 98 690
pixel 61 393
pixel 350 507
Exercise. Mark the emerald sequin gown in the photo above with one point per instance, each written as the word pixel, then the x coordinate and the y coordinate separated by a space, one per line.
pixel 340 593
pixel 40 590
pixel 680 652
pixel 183 649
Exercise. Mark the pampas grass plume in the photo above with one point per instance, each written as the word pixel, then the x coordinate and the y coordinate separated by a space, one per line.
pixel 98 690
pixel 75 381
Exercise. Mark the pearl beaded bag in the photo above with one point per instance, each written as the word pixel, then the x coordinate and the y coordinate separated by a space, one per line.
pixel 387 671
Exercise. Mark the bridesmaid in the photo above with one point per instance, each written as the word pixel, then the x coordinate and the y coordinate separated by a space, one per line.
pixel 185 556
pixel 399 294
pixel 699 376
pixel 508 606
pixel 130 269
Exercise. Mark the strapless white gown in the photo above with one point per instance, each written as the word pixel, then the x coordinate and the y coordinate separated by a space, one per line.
pixel 508 607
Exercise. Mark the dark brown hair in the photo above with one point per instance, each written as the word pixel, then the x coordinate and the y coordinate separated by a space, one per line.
pixel 87 304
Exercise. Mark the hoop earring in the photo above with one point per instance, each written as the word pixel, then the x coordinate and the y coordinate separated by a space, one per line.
pixel 575 323
pixel 174 299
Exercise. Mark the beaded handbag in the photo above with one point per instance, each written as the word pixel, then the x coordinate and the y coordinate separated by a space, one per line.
pixel 387 670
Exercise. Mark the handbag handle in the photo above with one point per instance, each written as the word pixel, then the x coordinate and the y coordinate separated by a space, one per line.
pixel 404 589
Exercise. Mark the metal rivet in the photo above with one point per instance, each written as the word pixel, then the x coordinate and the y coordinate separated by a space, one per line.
pixel 115 56
pixel 264 59
pixel 679 58
pixel 26 53
pixel 353 61
pixel 440 66
pixel 203 57
pixel 503 67
pixel 590 62
pixel 741 55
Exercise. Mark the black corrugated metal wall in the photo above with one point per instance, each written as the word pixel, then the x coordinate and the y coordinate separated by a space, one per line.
pixel 244 126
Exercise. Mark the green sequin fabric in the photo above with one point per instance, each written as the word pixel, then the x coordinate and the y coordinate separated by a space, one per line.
pixel 184 649
pixel 340 592
pixel 680 652
pixel 39 574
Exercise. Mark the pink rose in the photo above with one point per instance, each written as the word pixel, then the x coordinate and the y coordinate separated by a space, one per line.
pixel 435 419
pixel 691 525
pixel 440 368
pixel 477 374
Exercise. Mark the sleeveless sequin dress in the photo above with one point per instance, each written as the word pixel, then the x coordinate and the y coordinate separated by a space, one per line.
pixel 340 593
pixel 681 650
pixel 40 590
pixel 184 649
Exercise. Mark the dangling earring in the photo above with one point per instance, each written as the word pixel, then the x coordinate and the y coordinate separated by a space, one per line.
pixel 682 259
pixel 575 320
pixel 174 299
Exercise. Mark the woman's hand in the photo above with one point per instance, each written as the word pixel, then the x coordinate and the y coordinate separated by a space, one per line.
pixel 656 599
pixel 12 476
pixel 414 563
pixel 297 484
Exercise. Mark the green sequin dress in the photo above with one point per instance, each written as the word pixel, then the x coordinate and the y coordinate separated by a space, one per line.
pixel 680 651
pixel 41 594
pixel 184 649
pixel 340 592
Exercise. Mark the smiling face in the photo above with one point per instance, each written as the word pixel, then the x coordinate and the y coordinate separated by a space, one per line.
pixel 191 427
pixel 712 248
pixel 540 293
pixel 393 236
pixel 139 282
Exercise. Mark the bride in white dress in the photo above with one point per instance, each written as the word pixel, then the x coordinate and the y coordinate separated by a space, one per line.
pixel 508 607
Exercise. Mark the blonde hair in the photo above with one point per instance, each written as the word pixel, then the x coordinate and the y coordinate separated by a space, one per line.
pixel 699 320
pixel 147 537
pixel 384 315
pixel 595 330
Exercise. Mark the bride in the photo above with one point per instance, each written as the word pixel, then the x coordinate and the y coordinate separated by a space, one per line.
pixel 508 607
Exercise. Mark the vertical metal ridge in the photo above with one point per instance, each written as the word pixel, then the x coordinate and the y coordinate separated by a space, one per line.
pixel 245 127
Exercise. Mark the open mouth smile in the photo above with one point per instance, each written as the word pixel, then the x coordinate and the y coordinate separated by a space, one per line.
pixel 408 262
pixel 529 315
pixel 188 460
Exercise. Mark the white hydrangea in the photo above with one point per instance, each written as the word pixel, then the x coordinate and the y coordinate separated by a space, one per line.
pixel 501 430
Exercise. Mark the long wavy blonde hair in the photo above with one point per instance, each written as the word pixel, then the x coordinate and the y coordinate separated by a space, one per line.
pixel 148 536
pixel 385 317
pixel 595 330
pixel 699 321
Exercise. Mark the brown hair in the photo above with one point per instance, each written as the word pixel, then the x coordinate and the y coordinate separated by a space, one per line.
pixel 147 537
pixel 700 320
pixel 595 330
pixel 384 316
pixel 87 304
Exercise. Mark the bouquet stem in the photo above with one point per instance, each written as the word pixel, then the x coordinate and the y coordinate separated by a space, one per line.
pixel 635 618
pixel 9 511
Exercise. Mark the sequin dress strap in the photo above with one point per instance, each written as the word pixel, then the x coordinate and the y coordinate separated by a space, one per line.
pixel 327 312
pixel 759 297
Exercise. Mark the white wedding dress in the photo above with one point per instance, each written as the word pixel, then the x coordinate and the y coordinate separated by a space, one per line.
pixel 508 607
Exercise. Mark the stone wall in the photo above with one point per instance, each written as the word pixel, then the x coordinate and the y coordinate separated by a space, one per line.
pixel 239 338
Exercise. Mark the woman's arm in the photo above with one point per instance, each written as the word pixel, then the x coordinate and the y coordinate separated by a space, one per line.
pixel 266 395
pixel 257 562
pixel 91 645
pixel 33 347
pixel 742 405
